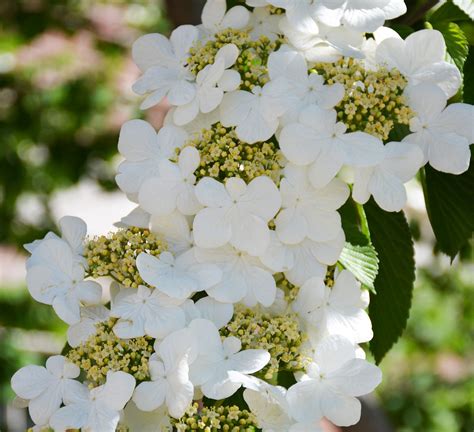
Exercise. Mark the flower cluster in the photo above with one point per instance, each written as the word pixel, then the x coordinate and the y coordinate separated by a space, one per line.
pixel 229 309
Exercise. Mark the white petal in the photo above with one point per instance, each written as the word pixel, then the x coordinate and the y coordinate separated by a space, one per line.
pixel 211 193
pixel 118 389
pixel 362 149
pixel 229 53
pixel 211 230
pixel 74 231
pixel 150 395
pixel 262 198
pixel 450 153
pixel 340 409
pixel 150 50
pixel 250 361
pixel 30 381
pixel 213 13
pixel 182 39
pixel 219 313
pixel 237 17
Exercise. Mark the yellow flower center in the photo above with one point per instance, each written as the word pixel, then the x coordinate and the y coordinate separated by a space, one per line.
pixel 373 101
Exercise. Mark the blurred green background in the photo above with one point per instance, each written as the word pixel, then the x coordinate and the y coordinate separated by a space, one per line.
pixel 65 78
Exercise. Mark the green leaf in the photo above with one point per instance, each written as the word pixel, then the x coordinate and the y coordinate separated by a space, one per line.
pixel 359 255
pixel 390 306
pixel 467 6
pixel 456 42
pixel 450 204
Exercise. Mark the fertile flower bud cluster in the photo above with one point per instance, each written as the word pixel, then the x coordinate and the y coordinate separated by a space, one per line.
pixel 230 307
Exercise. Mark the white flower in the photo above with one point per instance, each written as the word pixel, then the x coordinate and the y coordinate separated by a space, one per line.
pixel 254 114
pixel 212 81
pixel 304 260
pixel 96 410
pixel 332 383
pixel 215 18
pixel 237 213
pixel 73 232
pixel 169 374
pixel 173 187
pixel 306 211
pixel 263 22
pixel 143 150
pixel 443 133
pixel 386 181
pixel 164 63
pixel 321 43
pixel 86 327
pixel 336 310
pixel 243 277
pixel 363 16
pixel 320 141
pixel 269 405
pixel 178 278
pixel 45 388
pixel 421 59
pixel 300 89
pixel 55 277
pixel 143 311
pixel 216 358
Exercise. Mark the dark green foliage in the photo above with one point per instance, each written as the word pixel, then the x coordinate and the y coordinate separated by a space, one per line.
pixel 390 305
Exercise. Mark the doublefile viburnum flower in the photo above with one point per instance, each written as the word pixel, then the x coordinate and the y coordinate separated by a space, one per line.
pixel 331 384
pixel 143 311
pixel 237 213
pixel 241 272
pixel 143 150
pixel 216 358
pixel 45 389
pixel 421 58
pixel 320 141
pixel 385 181
pixel 337 310
pixel 212 82
pixel 177 277
pixel 174 184
pixel 170 383
pixel 90 316
pixel 163 63
pixel 443 133
pixel 96 410
pixel 56 277
pixel 244 277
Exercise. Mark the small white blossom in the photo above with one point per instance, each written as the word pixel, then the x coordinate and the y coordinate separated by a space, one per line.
pixel 444 133
pixel 96 410
pixel 45 388
pixel 386 181
pixel 143 311
pixel 331 384
pixel 164 63
pixel 177 277
pixel 55 277
pixel 143 150
pixel 237 213
pixel 216 358
pixel 320 141
pixel 215 18
pixel 174 185
pixel 169 372
pixel 336 310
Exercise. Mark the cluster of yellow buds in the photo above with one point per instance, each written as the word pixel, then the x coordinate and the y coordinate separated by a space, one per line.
pixel 115 255
pixel 279 335
pixel 223 156
pixel 216 419
pixel 252 60
pixel 373 100
pixel 104 352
